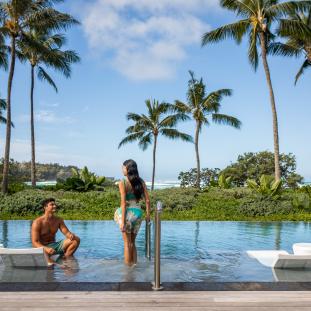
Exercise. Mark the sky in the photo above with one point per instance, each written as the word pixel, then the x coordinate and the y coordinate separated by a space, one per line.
pixel 133 50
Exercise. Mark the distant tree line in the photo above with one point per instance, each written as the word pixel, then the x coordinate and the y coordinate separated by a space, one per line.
pixel 20 171
pixel 250 165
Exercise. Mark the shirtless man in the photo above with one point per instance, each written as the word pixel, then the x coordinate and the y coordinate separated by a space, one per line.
pixel 44 229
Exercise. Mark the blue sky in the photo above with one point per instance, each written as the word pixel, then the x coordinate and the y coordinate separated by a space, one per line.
pixel 133 50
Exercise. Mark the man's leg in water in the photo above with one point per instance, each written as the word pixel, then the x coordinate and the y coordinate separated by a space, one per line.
pixel 70 246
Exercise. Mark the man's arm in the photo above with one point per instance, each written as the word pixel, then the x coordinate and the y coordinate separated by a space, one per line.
pixel 65 231
pixel 35 238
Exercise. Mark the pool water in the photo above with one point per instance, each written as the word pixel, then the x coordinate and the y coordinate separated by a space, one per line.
pixel 190 252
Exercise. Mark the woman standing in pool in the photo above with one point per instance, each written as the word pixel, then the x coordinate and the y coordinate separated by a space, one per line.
pixel 129 216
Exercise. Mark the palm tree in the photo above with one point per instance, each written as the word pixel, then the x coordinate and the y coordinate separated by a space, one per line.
pixel 161 119
pixel 257 17
pixel 44 48
pixel 297 31
pixel 16 17
pixel 202 108
pixel 3 107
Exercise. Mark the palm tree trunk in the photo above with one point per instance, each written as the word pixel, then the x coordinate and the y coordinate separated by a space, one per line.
pixel 32 126
pixel 196 145
pixel 6 162
pixel 154 160
pixel 277 170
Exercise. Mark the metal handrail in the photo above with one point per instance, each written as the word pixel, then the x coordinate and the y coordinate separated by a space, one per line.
pixel 157 248
pixel 148 239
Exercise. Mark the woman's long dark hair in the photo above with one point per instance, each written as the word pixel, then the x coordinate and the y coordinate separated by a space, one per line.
pixel 134 179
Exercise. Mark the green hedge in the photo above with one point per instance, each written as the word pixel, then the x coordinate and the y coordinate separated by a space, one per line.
pixel 179 204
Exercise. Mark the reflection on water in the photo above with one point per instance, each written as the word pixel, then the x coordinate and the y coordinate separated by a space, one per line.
pixel 191 251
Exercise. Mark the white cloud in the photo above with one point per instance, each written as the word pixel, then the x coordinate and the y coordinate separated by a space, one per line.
pixel 50 105
pixel 145 39
pixel 48 117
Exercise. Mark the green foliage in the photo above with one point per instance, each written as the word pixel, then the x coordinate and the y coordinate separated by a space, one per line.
pixel 267 186
pixel 175 199
pixel 16 187
pixel 259 205
pixel 224 182
pixel 305 189
pixel 209 177
pixel 301 201
pixel 252 165
pixel 82 181
pixel 179 204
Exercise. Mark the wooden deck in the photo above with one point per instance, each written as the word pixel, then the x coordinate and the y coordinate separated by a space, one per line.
pixel 149 301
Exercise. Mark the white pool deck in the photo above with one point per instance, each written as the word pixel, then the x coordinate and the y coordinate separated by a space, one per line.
pixel 136 301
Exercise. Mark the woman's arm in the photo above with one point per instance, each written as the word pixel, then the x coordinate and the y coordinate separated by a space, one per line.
pixel 147 200
pixel 123 202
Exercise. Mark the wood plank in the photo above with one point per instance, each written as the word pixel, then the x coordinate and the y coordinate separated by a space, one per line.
pixel 171 301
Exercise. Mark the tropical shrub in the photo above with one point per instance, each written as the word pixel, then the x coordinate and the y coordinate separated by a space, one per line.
pixel 304 189
pixel 82 181
pixel 224 182
pixel 301 201
pixel 259 205
pixel 16 187
pixel 175 199
pixel 29 203
pixel 267 185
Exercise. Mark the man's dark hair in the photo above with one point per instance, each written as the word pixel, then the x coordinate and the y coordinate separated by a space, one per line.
pixel 47 201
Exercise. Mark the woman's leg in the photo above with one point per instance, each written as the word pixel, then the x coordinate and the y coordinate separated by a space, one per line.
pixel 127 248
pixel 134 251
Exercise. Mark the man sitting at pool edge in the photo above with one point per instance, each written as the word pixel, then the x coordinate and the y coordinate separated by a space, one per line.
pixel 44 229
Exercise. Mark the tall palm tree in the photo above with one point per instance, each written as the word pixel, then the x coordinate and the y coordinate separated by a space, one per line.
pixel 204 108
pixel 44 48
pixel 161 119
pixel 297 32
pixel 16 17
pixel 257 17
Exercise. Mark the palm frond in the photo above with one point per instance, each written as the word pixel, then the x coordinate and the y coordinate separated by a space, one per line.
pixel 174 134
pixel 172 120
pixel 131 138
pixel 3 105
pixel 216 97
pixel 291 27
pixel 234 31
pixel 179 106
pixel 145 141
pixel 304 66
pixel 226 120
pixel 43 76
pixel 252 49
pixel 2 120
pixel 51 19
pixel 286 8
pixel 283 49
pixel 243 8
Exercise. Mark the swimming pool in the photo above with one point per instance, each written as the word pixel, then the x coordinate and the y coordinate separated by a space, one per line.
pixel 202 251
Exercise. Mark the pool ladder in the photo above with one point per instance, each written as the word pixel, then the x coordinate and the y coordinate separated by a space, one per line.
pixel 156 285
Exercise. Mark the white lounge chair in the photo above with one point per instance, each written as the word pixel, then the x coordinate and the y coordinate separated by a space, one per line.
pixel 278 259
pixel 28 257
